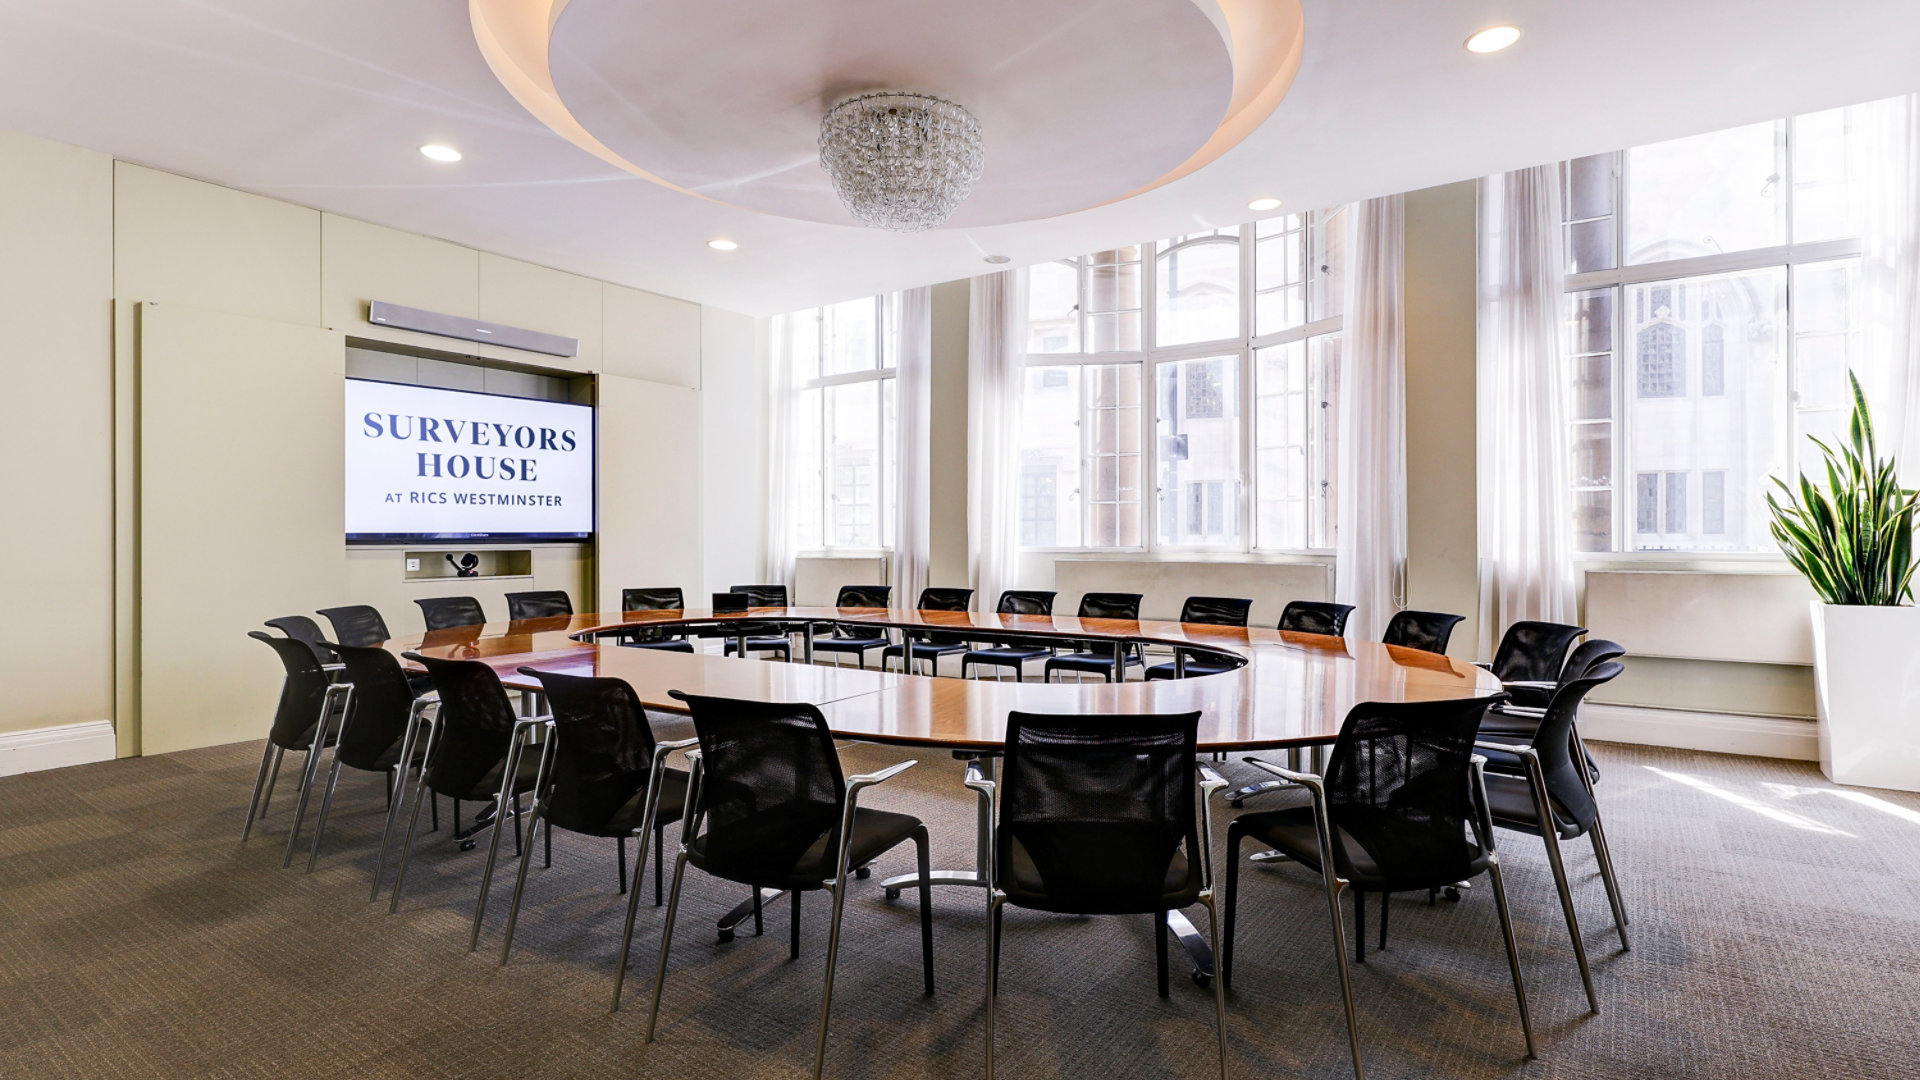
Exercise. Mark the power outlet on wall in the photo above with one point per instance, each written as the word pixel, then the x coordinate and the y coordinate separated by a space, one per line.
pixel 413 565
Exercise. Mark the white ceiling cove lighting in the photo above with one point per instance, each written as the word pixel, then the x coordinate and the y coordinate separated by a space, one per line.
pixel 1493 39
pixel 438 152
pixel 902 162
pixel 722 245
pixel 1263 205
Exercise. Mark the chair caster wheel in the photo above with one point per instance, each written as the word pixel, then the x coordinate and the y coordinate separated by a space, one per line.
pixel 863 873
pixel 893 894
pixel 1201 979
pixel 726 936
pixel 1236 803
pixel 469 845
pixel 1451 893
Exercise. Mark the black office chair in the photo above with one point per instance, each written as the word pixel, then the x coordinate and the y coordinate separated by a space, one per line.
pixel 1530 658
pixel 302 721
pixel 760 636
pixel 1097 657
pixel 1428 631
pixel 357 625
pixel 1012 602
pixel 1402 808
pixel 305 630
pixel 1208 611
pixel 1097 818
pixel 1511 718
pixel 1542 782
pixel 473 755
pixel 603 775
pixel 1315 617
pixel 543 604
pixel 377 733
pixel 772 809
pixel 855 638
pixel 931 645
pixel 447 612
pixel 662 599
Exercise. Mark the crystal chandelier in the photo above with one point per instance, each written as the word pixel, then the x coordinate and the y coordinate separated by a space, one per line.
pixel 901 161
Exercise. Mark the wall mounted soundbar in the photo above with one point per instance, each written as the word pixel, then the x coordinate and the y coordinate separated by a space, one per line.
pixel 453 326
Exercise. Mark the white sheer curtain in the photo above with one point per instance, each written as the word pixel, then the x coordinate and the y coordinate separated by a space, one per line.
pixel 782 482
pixel 995 376
pixel 1886 164
pixel 1526 545
pixel 913 406
pixel 1371 545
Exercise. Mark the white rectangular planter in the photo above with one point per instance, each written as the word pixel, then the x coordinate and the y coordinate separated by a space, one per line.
pixel 1866 665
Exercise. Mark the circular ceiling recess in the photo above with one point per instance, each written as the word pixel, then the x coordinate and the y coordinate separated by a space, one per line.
pixel 1079 104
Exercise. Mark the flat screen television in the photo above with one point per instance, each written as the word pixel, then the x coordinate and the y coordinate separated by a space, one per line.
pixel 428 464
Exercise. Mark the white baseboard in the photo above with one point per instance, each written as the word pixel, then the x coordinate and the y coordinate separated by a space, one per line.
pixel 1720 733
pixel 55 747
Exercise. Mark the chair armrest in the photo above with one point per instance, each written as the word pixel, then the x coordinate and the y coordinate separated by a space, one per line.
pixel 1521 748
pixel 977 778
pixel 1211 784
pixel 865 780
pixel 677 744
pixel 1306 780
pixel 1210 781
pixel 1519 710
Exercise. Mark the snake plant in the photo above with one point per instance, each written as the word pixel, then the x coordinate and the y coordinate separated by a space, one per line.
pixel 1854 539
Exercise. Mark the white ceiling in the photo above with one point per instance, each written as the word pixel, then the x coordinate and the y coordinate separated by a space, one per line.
pixel 322 102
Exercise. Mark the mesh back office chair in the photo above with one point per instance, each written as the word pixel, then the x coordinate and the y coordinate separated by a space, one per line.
pixel 1012 602
pixel 1530 658
pixel 379 729
pixel 1209 611
pixel 543 604
pixel 661 599
pixel 760 637
pixel 1097 657
pixel 853 637
pixel 1510 718
pixel 1541 786
pixel 357 625
pixel 772 809
pixel 1402 808
pixel 1315 617
pixel 1096 817
pixel 447 612
pixel 603 775
pixel 305 630
pixel 301 720
pixel 1428 631
pixel 472 754
pixel 931 645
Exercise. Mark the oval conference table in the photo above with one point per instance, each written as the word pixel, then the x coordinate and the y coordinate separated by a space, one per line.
pixel 1287 690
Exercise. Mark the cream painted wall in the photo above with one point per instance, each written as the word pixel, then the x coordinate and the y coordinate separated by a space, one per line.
pixel 652 337
pixel 534 297
pixel 182 241
pixel 733 448
pixel 56 433
pixel 947 564
pixel 650 489
pixel 1442 536
pixel 361 262
pixel 240 513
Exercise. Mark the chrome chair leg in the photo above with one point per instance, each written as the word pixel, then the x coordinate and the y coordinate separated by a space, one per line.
pixel 254 809
pixel 273 778
pixel 1550 834
pixel 1598 836
pixel 420 795
pixel 326 804
pixel 407 740
pixel 1219 985
pixel 520 882
pixel 666 941
pixel 1334 886
pixel 994 901
pixel 833 955
pixel 506 802
pixel 310 769
pixel 1513 951
pixel 626 942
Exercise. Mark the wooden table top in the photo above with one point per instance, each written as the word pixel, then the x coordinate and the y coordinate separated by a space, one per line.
pixel 1294 690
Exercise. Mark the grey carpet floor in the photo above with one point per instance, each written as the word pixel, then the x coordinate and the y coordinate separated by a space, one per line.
pixel 1776 924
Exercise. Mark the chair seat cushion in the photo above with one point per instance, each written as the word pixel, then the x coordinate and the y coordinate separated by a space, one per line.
pixel 662 646
pixel 488 787
pixel 761 644
pixel 1511 799
pixel 1024 886
pixel 673 799
pixel 1419 859
pixel 1082 661
pixel 875 832
pixel 1194 668
pixel 847 644
pixel 1499 721
pixel 929 650
pixel 1010 656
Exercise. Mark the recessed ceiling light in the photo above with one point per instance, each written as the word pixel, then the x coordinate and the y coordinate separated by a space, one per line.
pixel 999 260
pixel 722 245
pixel 1493 39
pixel 1264 204
pixel 438 152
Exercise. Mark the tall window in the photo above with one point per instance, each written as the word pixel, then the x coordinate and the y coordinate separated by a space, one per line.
pixel 843 357
pixel 1712 320
pixel 1239 349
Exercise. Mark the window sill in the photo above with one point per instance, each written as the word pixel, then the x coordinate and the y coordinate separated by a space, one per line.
pixel 1744 562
